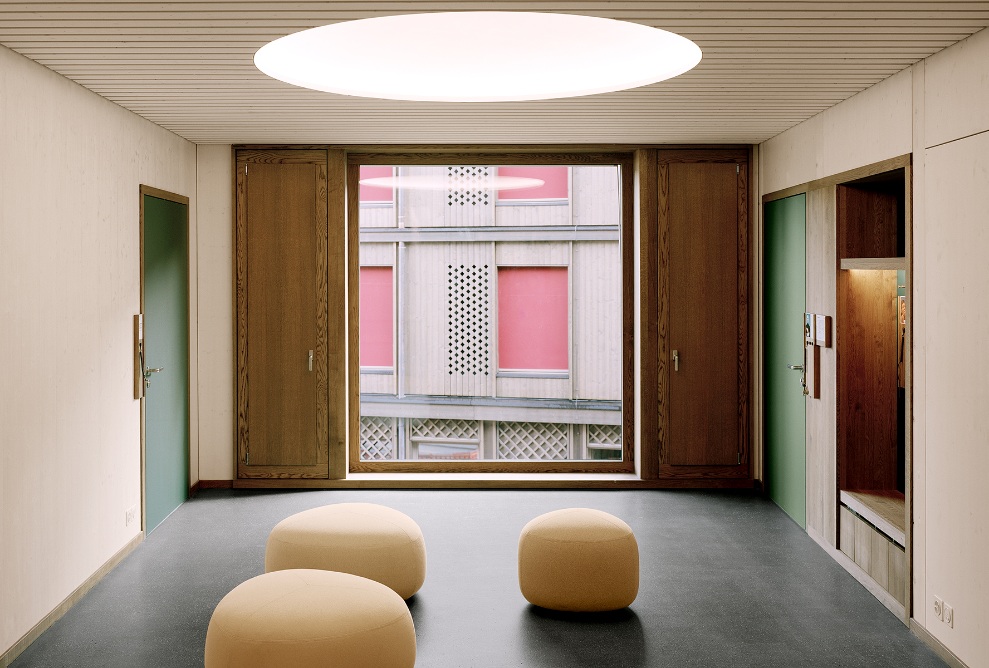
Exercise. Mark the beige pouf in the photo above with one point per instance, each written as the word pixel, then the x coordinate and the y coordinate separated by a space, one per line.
pixel 578 560
pixel 303 618
pixel 365 539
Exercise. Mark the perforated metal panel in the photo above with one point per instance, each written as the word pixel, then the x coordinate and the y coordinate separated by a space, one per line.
pixel 468 326
pixel 604 435
pixel 533 440
pixel 377 438
pixel 468 186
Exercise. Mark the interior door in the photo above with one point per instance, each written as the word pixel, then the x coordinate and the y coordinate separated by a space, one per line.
pixel 282 315
pixel 165 273
pixel 785 223
pixel 703 346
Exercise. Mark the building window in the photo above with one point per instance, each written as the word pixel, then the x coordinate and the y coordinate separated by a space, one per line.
pixel 376 323
pixel 555 188
pixel 533 305
pixel 376 194
pixel 491 322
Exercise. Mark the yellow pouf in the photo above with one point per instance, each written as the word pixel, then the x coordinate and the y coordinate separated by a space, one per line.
pixel 578 560
pixel 365 539
pixel 303 618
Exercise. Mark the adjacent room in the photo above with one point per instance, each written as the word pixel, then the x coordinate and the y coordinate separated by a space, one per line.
pixel 714 313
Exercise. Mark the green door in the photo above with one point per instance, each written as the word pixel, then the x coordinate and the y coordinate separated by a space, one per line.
pixel 784 291
pixel 166 347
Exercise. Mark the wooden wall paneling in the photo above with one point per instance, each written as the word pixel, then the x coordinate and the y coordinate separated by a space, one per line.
pixel 341 239
pixel 863 544
pixel 870 224
pixel 630 400
pixel 867 379
pixel 822 504
pixel 649 195
pixel 897 574
pixel 344 280
pixel 743 313
pixel 879 569
pixel 846 541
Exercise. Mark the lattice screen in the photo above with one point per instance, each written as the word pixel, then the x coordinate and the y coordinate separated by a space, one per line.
pixel 468 186
pixel 468 330
pixel 434 428
pixel 604 434
pixel 533 440
pixel 377 438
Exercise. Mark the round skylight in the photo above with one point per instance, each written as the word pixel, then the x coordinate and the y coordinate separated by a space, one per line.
pixel 477 56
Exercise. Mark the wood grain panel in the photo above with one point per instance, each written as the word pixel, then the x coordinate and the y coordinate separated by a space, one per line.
pixel 846 540
pixel 704 312
pixel 822 481
pixel 897 574
pixel 339 239
pixel 281 314
pixel 879 567
pixel 865 337
pixel 870 226
pixel 281 260
pixel 649 415
pixel 863 545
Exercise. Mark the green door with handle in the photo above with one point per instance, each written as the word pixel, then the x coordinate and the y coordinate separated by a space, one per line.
pixel 166 357
pixel 784 290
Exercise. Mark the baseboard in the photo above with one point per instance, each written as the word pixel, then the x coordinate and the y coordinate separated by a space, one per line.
pixel 859 574
pixel 214 484
pixel 15 650
pixel 946 654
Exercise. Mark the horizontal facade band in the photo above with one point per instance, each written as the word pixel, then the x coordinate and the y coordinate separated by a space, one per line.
pixel 512 409
pixel 475 234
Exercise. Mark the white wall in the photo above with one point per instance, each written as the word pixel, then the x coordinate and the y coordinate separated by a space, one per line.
pixel 939 110
pixel 216 312
pixel 71 164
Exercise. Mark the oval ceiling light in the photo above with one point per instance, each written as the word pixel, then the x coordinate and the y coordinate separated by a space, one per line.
pixel 412 182
pixel 477 56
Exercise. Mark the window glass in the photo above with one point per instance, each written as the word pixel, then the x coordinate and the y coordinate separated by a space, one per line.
pixel 490 331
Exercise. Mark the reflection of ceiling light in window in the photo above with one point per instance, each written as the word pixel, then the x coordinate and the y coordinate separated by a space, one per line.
pixel 477 56
pixel 445 183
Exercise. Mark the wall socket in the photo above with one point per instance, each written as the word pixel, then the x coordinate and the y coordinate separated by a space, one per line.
pixel 130 515
pixel 949 616
pixel 939 608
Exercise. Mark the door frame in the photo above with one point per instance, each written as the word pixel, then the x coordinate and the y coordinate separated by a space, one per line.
pixel 145 190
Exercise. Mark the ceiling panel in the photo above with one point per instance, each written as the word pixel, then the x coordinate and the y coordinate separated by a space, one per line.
pixel 767 66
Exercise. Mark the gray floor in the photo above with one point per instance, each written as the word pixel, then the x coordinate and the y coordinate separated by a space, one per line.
pixel 726 580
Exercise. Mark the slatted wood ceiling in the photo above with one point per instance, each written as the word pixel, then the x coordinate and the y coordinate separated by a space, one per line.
pixel 767 66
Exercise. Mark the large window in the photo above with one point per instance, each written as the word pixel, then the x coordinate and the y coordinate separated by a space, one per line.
pixel 491 327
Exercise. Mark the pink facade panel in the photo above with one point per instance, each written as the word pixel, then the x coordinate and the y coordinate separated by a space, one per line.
pixel 376 193
pixel 533 305
pixel 377 324
pixel 556 186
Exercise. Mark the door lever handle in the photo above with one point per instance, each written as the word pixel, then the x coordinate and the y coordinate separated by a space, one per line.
pixel 795 367
pixel 676 360
pixel 148 372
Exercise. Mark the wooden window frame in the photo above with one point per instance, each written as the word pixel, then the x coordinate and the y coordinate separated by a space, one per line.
pixel 351 450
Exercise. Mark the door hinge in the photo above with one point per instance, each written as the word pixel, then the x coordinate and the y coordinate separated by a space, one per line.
pixel 248 458
pixel 245 169
pixel 740 458
pixel 738 168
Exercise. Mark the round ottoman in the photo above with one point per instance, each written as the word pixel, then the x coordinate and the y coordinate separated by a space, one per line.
pixel 303 618
pixel 365 539
pixel 578 560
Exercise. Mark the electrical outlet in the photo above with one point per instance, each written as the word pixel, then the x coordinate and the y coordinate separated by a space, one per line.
pixel 130 515
pixel 939 608
pixel 949 615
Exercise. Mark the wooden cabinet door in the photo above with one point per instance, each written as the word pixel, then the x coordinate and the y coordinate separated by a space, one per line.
pixel 703 350
pixel 281 264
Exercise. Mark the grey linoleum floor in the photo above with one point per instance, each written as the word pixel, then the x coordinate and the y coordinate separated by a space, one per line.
pixel 727 579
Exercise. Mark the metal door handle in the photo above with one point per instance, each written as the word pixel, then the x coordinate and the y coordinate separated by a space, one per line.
pixel 310 360
pixel 148 372
pixel 676 360
pixel 795 367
